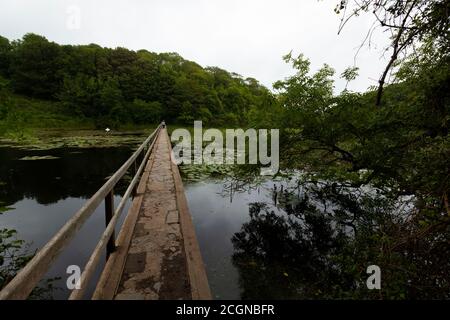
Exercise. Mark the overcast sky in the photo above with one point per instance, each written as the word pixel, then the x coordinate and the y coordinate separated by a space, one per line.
pixel 248 37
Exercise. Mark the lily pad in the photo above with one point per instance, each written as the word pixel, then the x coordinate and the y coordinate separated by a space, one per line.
pixel 29 158
pixel 78 139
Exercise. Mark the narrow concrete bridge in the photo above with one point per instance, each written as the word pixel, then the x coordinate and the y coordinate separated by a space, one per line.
pixel 155 255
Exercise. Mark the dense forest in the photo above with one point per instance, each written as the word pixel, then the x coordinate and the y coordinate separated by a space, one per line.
pixel 112 87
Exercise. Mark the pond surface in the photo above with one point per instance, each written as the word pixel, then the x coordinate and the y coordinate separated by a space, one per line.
pixel 44 188
pixel 263 239
pixel 217 215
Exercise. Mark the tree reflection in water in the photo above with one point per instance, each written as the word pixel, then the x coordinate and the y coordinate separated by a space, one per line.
pixel 318 240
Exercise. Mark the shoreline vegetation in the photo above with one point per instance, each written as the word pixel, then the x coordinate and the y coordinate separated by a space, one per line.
pixel 54 138
pixel 43 84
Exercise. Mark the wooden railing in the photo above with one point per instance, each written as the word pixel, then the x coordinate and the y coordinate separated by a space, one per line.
pixel 26 280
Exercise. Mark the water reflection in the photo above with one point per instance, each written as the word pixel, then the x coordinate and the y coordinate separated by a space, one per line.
pixel 74 173
pixel 270 238
pixel 281 239
pixel 44 194
pixel 325 238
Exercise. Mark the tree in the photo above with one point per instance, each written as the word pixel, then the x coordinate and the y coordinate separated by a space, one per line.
pixel 35 67
pixel 109 107
pixel 146 112
pixel 78 95
pixel 5 56
pixel 409 23
pixel 110 86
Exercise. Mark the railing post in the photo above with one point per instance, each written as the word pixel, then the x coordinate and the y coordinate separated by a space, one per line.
pixel 109 212
pixel 134 191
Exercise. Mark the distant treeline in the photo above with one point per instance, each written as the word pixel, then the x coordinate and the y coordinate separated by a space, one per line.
pixel 116 86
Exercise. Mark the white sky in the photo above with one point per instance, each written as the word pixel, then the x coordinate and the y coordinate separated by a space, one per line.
pixel 248 37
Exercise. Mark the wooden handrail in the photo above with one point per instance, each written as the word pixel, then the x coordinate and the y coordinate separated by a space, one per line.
pixel 95 257
pixel 26 280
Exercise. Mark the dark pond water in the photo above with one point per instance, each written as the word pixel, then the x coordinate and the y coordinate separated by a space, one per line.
pixel 217 215
pixel 273 239
pixel 44 194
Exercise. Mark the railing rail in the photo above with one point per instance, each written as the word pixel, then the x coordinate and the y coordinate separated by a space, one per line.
pixel 26 280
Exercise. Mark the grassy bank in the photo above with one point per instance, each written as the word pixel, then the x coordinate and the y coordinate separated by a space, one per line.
pixel 42 124
pixel 21 117
pixel 36 123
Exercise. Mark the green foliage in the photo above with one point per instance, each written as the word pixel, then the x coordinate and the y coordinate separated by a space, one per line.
pixel 11 259
pixel 306 98
pixel 349 74
pixel 146 112
pixel 5 56
pixel 397 146
pixel 14 255
pixel 115 87
pixel 35 67
pixel 20 115
pixel 401 148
